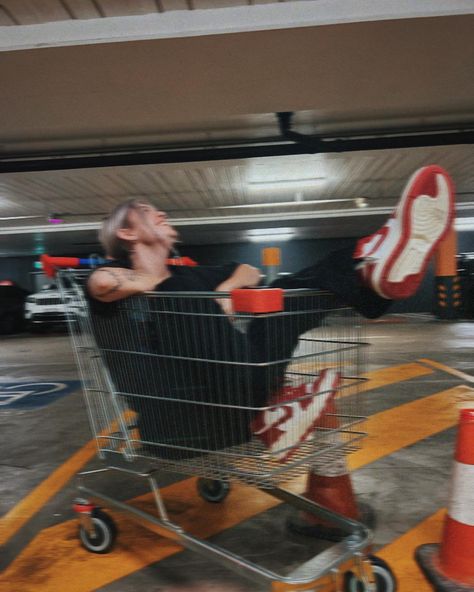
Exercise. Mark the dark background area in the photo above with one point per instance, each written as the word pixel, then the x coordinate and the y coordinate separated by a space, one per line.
pixel 295 255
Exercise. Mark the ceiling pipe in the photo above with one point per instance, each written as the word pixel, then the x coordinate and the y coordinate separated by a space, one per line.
pixel 375 140
pixel 288 143
pixel 312 143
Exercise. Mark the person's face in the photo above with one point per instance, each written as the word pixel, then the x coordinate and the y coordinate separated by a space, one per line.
pixel 150 226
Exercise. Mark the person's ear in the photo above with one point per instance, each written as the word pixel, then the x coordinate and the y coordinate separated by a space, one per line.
pixel 126 234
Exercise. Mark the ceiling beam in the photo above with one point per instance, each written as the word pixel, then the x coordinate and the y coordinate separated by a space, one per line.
pixel 218 21
pixel 230 150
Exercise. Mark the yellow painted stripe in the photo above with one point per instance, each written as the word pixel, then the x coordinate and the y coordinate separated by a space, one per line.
pixel 399 554
pixel 448 369
pixel 377 378
pixel 386 376
pixel 402 426
pixel 55 555
pixel 15 518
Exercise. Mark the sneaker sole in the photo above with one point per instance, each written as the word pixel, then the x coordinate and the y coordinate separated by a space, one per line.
pixel 417 229
pixel 328 385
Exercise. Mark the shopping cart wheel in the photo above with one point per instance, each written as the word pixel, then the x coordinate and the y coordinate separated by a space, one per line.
pixel 213 490
pixel 384 578
pixel 104 536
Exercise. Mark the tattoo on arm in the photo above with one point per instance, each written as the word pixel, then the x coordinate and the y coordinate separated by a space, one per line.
pixel 117 285
pixel 131 275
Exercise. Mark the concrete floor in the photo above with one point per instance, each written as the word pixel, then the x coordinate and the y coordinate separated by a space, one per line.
pixel 404 487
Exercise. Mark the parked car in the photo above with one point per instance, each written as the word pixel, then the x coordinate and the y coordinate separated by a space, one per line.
pixel 46 309
pixel 12 306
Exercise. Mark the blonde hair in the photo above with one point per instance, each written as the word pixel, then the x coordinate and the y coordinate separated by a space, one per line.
pixel 114 246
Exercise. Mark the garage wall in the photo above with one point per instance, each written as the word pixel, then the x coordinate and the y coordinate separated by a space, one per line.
pixel 18 270
pixel 295 255
pixel 299 254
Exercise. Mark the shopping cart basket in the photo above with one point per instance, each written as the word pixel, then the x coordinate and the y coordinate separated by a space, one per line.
pixel 172 383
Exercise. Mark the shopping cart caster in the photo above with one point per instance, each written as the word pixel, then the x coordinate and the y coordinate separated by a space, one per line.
pixel 97 530
pixel 384 578
pixel 213 490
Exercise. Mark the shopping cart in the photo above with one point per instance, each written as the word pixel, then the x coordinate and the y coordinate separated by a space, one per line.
pixel 174 384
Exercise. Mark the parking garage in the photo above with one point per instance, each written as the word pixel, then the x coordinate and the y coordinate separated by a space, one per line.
pixel 272 134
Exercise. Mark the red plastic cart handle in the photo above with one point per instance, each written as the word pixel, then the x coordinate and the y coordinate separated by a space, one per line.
pixel 257 300
pixel 51 264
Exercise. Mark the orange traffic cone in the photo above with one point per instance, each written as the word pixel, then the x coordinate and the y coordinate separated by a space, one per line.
pixel 450 566
pixel 329 484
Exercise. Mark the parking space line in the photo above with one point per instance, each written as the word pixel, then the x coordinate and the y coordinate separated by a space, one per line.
pixel 15 518
pixel 399 553
pixel 411 422
pixel 57 551
pixel 387 376
pixel 448 369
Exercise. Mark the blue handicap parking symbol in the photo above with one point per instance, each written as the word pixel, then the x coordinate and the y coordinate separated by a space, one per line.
pixel 34 394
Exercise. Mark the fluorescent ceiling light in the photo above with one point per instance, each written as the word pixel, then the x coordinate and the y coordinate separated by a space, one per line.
pixel 462 224
pixel 19 217
pixel 265 235
pixel 276 230
pixel 274 204
pixel 361 202
pixel 295 183
pixel 272 238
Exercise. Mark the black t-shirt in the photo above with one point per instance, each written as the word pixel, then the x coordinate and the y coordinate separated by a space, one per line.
pixel 196 279
pixel 180 349
pixel 176 326
pixel 200 278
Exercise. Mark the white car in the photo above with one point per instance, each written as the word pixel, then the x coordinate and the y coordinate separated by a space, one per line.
pixel 46 308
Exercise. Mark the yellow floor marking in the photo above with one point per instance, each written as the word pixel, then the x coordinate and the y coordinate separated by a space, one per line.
pixel 399 554
pixel 55 556
pixel 386 376
pixel 376 378
pixel 402 426
pixel 453 371
pixel 15 518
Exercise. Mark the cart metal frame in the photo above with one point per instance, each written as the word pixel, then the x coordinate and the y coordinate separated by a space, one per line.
pixel 324 573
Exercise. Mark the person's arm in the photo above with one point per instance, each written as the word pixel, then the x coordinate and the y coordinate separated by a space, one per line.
pixel 108 284
pixel 244 276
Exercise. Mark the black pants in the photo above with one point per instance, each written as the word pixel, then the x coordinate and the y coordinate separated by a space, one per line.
pixel 337 273
pixel 269 340
pixel 274 338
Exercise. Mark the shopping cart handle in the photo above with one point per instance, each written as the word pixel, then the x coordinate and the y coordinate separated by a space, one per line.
pixel 258 300
pixel 50 265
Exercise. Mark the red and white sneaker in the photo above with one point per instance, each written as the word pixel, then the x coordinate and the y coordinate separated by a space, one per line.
pixel 289 422
pixel 395 258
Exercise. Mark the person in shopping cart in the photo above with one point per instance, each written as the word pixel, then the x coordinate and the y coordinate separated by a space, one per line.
pixel 138 238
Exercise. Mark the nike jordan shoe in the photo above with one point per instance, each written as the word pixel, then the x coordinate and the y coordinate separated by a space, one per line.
pixel 394 259
pixel 294 413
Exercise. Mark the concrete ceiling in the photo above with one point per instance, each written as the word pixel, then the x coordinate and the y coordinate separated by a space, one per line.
pixel 400 76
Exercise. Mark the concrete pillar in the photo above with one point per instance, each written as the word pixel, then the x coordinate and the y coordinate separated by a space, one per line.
pixel 271 259
pixel 448 287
